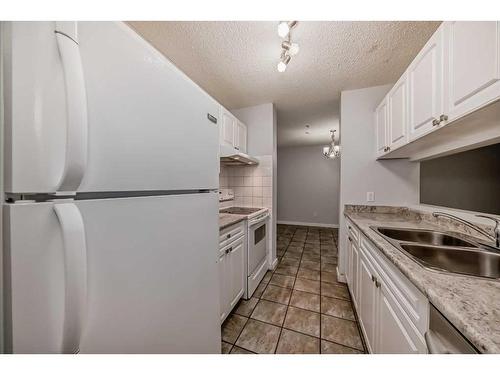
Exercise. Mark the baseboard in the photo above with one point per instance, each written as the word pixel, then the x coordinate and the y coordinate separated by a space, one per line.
pixel 341 277
pixel 274 265
pixel 323 225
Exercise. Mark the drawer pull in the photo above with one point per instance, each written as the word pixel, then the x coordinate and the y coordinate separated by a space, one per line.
pixel 228 236
pixel 375 280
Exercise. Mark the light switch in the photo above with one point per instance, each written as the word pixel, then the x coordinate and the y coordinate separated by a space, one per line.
pixel 370 196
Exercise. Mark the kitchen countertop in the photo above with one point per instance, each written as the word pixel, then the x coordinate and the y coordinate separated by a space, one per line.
pixel 226 220
pixel 471 304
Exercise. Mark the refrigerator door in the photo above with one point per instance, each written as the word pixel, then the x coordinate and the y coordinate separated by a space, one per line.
pixel 130 275
pixel 103 110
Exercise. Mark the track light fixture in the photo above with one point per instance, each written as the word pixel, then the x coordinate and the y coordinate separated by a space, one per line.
pixel 288 48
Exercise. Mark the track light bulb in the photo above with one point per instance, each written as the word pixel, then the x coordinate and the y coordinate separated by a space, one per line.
pixel 285 59
pixel 294 49
pixel 283 29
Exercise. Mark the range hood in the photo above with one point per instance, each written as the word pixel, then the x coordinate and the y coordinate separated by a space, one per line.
pixel 231 156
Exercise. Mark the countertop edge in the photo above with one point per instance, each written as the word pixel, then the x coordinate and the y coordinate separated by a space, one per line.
pixel 235 220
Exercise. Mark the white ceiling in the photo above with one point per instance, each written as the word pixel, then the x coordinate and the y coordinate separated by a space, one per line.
pixel 235 62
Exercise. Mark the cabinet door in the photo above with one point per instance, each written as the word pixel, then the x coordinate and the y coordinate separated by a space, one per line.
pixel 395 332
pixel 398 115
pixel 223 287
pixel 236 272
pixel 241 137
pixel 348 256
pixel 473 69
pixel 381 128
pixel 367 301
pixel 425 76
pixel 227 128
pixel 354 272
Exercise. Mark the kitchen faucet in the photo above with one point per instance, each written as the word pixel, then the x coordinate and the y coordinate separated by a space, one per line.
pixel 495 238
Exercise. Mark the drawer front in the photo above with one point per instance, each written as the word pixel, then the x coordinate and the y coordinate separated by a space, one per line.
pixel 352 231
pixel 412 301
pixel 229 234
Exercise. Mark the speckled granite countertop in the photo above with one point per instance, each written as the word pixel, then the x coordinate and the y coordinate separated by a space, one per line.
pixel 226 220
pixel 471 304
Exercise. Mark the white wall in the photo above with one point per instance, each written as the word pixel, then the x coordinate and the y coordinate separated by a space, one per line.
pixel 261 123
pixel 394 182
pixel 308 186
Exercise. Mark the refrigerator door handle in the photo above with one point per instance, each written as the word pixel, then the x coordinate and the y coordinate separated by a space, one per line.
pixel 76 107
pixel 75 274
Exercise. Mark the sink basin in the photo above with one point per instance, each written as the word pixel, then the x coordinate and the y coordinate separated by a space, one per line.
pixel 464 261
pixel 426 237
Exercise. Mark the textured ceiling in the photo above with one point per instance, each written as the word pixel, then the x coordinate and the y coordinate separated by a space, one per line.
pixel 235 62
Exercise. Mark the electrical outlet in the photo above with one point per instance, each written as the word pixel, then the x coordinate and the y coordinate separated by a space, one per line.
pixel 370 196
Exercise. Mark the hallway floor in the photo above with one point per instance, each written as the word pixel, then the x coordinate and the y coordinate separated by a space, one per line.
pixel 300 307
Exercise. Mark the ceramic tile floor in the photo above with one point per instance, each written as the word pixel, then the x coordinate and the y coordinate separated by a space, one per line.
pixel 300 307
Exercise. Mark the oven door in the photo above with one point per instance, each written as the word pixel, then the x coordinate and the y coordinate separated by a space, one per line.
pixel 257 242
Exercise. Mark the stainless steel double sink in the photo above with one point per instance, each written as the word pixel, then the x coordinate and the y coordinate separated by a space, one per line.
pixel 445 252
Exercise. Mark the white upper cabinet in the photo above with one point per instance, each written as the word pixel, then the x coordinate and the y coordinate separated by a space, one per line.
pixel 233 133
pixel 240 137
pixel 456 73
pixel 426 87
pixel 381 128
pixel 397 133
pixel 473 69
pixel 227 128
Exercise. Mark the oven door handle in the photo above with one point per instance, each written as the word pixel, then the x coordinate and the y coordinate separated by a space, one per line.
pixel 259 219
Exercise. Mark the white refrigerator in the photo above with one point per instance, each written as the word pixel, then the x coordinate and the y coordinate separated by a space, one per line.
pixel 110 211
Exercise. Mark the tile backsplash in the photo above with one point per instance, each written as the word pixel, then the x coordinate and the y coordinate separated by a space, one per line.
pixel 251 185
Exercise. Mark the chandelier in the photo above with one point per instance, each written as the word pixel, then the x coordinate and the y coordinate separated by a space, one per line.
pixel 332 151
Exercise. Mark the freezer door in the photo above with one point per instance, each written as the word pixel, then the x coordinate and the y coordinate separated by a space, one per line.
pixel 151 283
pixel 104 109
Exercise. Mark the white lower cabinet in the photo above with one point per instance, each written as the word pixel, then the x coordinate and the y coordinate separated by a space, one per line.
pixel 395 332
pixel 366 302
pixel 231 273
pixel 393 314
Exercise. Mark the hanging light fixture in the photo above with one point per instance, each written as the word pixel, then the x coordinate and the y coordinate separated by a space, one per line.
pixel 332 151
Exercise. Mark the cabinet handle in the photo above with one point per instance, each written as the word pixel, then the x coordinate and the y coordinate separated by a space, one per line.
pixel 228 236
pixel 237 148
pixel 350 239
pixel 435 122
pixel 443 118
pixel 229 250
pixel 375 280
